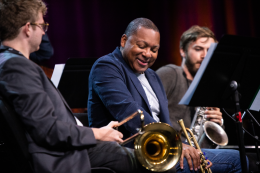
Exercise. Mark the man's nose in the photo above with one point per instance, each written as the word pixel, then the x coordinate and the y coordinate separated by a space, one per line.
pixel 204 53
pixel 147 53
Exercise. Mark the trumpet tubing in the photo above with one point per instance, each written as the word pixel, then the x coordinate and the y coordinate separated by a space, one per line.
pixel 202 157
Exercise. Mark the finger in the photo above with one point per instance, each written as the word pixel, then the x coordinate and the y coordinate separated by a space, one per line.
pixel 213 116
pixel 217 113
pixel 209 164
pixel 119 140
pixel 181 160
pixel 214 111
pixel 120 135
pixel 112 123
pixel 216 121
pixel 213 108
pixel 189 160
pixel 195 158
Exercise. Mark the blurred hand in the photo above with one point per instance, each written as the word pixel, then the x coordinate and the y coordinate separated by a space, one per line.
pixel 192 156
pixel 214 114
pixel 107 133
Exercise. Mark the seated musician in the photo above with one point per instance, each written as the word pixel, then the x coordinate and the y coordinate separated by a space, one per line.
pixel 176 80
pixel 56 143
pixel 122 82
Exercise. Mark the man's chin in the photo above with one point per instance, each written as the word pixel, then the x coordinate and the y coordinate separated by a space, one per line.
pixel 36 49
pixel 140 70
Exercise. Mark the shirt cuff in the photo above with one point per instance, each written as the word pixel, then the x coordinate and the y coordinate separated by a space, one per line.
pixel 222 122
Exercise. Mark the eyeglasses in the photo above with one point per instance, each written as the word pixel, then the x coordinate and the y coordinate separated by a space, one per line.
pixel 43 26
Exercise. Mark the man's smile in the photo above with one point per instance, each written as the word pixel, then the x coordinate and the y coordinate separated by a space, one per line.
pixel 142 62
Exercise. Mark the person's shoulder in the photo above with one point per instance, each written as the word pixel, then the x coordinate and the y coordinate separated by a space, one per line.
pixel 112 60
pixel 108 59
pixel 11 59
pixel 169 68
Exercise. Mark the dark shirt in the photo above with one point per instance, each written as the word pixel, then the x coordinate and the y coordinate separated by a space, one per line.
pixel 176 84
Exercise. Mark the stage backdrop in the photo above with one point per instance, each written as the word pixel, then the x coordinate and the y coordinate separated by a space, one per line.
pixel 93 28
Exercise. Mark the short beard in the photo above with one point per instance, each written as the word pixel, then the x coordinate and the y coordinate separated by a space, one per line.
pixel 190 66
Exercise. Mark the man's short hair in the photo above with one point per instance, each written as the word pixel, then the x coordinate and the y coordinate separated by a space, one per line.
pixel 16 13
pixel 139 22
pixel 194 33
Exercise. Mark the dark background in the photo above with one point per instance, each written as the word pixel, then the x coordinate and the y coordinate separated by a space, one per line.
pixel 93 28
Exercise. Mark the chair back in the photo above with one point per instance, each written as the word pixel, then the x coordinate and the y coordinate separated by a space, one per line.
pixel 14 155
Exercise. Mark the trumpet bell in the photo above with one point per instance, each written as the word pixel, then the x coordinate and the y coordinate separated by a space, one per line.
pixel 159 148
pixel 215 133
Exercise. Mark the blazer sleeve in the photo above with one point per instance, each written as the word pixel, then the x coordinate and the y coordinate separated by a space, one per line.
pixel 109 82
pixel 21 83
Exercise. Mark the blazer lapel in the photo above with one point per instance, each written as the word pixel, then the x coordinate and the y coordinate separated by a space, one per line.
pixel 140 89
pixel 156 88
pixel 64 101
pixel 117 54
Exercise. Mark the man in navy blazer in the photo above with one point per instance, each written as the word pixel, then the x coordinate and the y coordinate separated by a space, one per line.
pixel 115 91
pixel 122 82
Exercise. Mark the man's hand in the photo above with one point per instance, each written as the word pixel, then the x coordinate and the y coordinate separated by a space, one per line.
pixel 107 133
pixel 192 155
pixel 214 114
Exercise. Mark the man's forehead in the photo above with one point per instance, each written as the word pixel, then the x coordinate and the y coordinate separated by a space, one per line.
pixel 202 41
pixel 40 16
pixel 146 35
pixel 144 31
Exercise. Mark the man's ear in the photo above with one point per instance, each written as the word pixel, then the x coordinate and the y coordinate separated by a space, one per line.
pixel 27 29
pixel 182 53
pixel 123 40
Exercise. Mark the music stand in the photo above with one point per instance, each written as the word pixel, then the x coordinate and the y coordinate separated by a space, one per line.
pixel 234 60
pixel 73 83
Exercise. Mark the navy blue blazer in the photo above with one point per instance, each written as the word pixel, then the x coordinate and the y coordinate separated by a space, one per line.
pixel 115 93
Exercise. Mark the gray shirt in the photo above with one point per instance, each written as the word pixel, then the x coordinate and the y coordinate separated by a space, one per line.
pixel 151 96
pixel 176 84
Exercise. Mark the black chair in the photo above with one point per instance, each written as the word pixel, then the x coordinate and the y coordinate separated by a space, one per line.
pixel 14 155
pixel 14 149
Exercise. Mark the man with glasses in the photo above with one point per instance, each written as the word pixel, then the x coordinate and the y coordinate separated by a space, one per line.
pixel 45 51
pixel 43 26
pixel 56 141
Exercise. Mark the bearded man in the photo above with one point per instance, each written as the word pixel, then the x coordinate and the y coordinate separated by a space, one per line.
pixel 194 45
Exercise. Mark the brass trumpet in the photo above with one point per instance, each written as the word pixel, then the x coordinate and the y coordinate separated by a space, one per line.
pixel 158 146
pixel 203 163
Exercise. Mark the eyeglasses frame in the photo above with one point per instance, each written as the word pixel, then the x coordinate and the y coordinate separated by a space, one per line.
pixel 41 25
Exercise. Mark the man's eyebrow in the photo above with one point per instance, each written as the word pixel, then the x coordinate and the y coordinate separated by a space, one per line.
pixel 147 43
pixel 197 46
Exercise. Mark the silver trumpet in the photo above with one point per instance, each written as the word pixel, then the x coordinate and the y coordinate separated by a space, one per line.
pixel 207 133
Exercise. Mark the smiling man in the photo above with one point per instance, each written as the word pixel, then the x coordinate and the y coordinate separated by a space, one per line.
pixel 122 82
